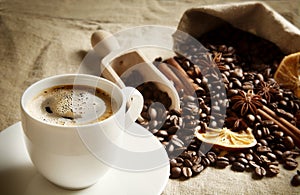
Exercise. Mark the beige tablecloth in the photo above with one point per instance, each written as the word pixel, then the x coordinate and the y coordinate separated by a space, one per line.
pixel 44 38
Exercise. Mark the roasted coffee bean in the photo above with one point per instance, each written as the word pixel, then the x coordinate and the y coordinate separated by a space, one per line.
pixel 260 171
pixel 250 151
pixel 278 134
pixel 265 159
pixel 251 118
pixel 284 114
pixel 273 170
pixel 175 172
pixel 198 168
pixel 259 133
pixel 165 143
pixel 258 145
pixel 247 86
pixel 253 164
pixel 242 160
pixel 222 162
pixel 260 77
pixel 174 139
pixel 179 160
pixel 257 159
pixel 205 161
pixel 193 147
pixel 249 157
pixel 186 64
pixel 196 160
pixel 173 129
pixel 271 156
pixel 263 149
pixel 212 157
pixel 238 72
pixel 228 60
pixel 231 158
pixel 237 166
pixel 278 153
pixel 223 48
pixel 232 92
pixel 222 158
pixel 152 113
pixel 273 127
pixel 185 155
pixel 187 163
pixel 174 119
pixel 280 147
pixel 191 153
pixel 269 139
pixel 236 83
pixel 296 179
pixel 145 115
pixel 154 124
pixel 173 162
pixel 288 142
pixel 263 142
pixel 154 131
pixel 268 122
pixel 187 172
pixel 290 163
pixel 241 155
pixel 161 139
pixel 258 118
pixel 283 103
pixel 170 148
pixel 162 133
pixel 275 162
pixel 287 154
pixel 265 131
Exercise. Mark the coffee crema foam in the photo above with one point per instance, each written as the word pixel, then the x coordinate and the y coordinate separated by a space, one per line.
pixel 71 105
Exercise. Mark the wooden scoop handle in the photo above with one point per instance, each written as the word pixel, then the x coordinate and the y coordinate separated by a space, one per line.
pixel 104 43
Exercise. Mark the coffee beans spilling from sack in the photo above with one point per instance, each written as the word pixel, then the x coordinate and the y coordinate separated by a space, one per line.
pixel 252 100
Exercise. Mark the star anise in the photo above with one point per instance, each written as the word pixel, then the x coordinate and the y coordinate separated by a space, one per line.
pixel 236 123
pixel 246 102
pixel 268 89
pixel 217 59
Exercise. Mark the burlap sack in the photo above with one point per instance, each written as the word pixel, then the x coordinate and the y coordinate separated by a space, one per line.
pixel 254 17
pixel 261 20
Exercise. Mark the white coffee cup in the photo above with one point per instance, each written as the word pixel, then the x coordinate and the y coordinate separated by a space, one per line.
pixel 58 152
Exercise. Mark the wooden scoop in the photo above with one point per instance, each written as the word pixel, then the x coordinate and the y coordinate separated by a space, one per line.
pixel 134 60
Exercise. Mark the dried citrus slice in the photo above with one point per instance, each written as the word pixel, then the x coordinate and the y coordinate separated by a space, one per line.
pixel 288 73
pixel 225 138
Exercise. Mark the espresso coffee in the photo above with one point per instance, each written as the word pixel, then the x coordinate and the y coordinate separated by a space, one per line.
pixel 71 105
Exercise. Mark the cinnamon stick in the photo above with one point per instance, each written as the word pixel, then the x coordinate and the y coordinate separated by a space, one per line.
pixel 293 128
pixel 185 79
pixel 282 124
pixel 170 75
pixel 175 64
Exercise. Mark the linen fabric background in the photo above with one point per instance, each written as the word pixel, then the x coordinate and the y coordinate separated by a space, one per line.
pixel 44 38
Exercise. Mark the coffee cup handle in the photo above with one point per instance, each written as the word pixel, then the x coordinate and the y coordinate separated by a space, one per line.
pixel 135 103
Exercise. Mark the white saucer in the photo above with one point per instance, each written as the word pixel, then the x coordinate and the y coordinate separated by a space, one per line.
pixel 18 175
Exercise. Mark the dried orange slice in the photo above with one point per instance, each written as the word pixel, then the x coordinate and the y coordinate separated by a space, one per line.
pixel 225 138
pixel 288 73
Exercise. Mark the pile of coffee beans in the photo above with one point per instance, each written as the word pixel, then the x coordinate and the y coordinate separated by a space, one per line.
pixel 246 62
